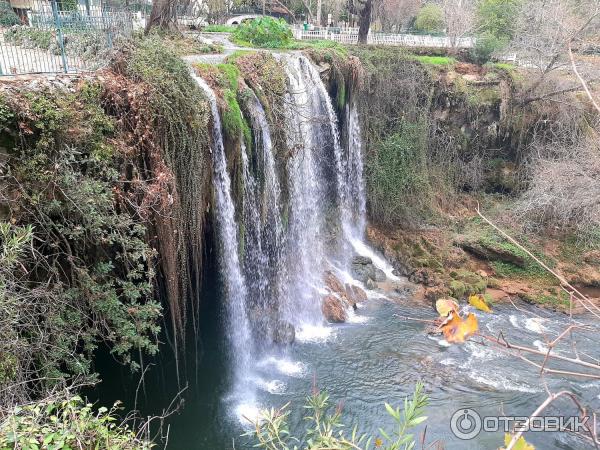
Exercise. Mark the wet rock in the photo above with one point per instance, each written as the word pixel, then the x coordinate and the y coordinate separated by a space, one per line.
pixel 355 294
pixel 363 269
pixel 379 274
pixel 334 309
pixel 361 260
pixel 424 276
pixel 284 333
pixel 371 284
pixel 333 283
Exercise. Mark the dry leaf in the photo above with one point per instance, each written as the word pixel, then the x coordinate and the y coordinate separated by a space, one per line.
pixel 456 330
pixel 444 305
pixel 479 302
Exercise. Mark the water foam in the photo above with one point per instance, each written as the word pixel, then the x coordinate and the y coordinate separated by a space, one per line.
pixel 310 333
pixel 497 381
pixel 285 366
pixel 535 324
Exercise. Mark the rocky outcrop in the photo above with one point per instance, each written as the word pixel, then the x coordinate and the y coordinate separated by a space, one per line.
pixel 348 294
pixel 333 283
pixel 490 252
pixel 355 294
pixel 364 270
pixel 334 309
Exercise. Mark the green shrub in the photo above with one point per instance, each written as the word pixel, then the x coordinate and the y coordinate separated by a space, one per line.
pixel 430 19
pixel 8 17
pixel 397 173
pixel 266 32
pixel 326 431
pixel 485 46
pixel 67 424
pixel 496 20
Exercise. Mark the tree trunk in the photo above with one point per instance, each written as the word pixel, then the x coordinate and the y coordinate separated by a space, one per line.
pixel 364 21
pixel 163 15
pixel 319 9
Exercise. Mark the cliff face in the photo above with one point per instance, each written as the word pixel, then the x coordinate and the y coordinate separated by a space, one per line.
pixel 442 137
pixel 113 172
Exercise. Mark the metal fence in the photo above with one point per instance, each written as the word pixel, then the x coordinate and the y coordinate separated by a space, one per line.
pixel 350 36
pixel 38 36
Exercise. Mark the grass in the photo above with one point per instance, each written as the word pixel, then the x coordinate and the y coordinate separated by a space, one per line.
pixel 219 29
pixel 439 61
pixel 504 66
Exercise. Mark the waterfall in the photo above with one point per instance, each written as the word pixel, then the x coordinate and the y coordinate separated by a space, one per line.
pixel 235 285
pixel 353 179
pixel 273 265
pixel 308 132
pixel 265 270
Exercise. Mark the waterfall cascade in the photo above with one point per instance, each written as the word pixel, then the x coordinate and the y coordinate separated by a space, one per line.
pixel 273 269
pixel 234 282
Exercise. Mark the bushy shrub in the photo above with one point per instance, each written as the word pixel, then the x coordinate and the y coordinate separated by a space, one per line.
pixel 8 17
pixel 564 192
pixel 430 19
pixel 266 32
pixel 86 276
pixel 496 21
pixel 69 423
pixel 397 174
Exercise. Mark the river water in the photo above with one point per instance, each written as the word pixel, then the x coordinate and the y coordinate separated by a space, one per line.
pixel 377 357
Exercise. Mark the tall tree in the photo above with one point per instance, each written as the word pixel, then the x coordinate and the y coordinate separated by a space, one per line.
pixel 163 15
pixel 364 20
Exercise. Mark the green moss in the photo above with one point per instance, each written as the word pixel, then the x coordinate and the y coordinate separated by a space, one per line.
pixel 458 289
pixel 487 96
pixel 467 281
pixel 559 301
pixel 232 74
pixel 488 299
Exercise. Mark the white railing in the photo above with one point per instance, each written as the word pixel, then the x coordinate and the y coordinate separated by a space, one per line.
pixel 404 40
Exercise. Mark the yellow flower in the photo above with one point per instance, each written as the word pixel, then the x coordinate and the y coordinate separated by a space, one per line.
pixel 378 442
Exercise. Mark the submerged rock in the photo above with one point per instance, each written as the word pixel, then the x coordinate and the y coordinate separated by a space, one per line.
pixel 334 309
pixel 284 332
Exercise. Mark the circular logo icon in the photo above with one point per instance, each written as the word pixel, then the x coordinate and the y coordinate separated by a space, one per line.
pixel 465 424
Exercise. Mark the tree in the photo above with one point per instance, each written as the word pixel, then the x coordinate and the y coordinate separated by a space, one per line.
pixel 459 19
pixel 163 15
pixel 547 37
pixel 396 15
pixel 364 20
pixel 496 24
pixel 430 19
